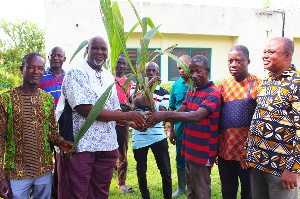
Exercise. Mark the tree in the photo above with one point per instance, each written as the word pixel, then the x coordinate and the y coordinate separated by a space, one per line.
pixel 17 39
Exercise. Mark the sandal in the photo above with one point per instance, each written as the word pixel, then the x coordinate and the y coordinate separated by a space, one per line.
pixel 126 189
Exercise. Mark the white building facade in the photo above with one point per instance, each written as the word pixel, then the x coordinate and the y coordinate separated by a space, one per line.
pixel 196 29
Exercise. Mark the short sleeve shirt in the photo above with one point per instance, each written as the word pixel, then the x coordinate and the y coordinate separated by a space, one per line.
pixel 82 85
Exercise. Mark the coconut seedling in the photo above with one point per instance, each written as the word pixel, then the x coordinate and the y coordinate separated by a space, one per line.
pixel 114 25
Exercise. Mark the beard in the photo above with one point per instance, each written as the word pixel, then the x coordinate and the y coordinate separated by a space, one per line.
pixel 98 64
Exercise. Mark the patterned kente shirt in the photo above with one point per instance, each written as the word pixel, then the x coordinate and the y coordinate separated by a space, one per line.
pixel 239 102
pixel 274 144
pixel 27 127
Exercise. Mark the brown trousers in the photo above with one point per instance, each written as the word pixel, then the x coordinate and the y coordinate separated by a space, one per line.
pixel 198 181
pixel 123 134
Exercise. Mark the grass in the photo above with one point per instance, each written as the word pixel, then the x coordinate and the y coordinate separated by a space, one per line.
pixel 154 179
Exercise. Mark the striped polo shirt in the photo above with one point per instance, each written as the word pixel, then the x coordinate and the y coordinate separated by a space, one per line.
pixel 200 139
pixel 51 84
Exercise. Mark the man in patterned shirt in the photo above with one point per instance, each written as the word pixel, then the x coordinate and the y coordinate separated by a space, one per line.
pixel 90 170
pixel 273 145
pixel 239 93
pixel 27 128
pixel 200 112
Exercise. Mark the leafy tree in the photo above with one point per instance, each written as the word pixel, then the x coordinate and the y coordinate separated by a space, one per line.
pixel 17 39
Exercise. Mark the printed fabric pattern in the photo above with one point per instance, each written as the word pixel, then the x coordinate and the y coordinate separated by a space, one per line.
pixel 273 144
pixel 83 86
pixel 238 105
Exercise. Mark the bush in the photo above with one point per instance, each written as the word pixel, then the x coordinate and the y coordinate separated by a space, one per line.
pixel 168 86
pixel 8 81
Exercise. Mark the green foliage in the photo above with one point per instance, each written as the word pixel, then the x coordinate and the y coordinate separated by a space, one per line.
pixel 267 4
pixel 218 82
pixel 168 86
pixel 17 39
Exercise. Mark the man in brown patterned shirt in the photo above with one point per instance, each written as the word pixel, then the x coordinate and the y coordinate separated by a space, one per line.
pixel 27 128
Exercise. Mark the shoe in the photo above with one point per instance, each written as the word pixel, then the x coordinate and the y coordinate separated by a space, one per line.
pixel 126 189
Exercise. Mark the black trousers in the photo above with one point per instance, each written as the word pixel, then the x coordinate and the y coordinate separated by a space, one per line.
pixel 161 154
pixel 230 172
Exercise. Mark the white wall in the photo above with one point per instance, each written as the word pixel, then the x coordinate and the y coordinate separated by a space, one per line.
pixel 214 27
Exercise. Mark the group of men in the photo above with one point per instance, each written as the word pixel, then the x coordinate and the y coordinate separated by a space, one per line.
pixel 245 122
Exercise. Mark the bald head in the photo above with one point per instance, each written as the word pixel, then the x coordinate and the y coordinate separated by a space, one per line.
pixel 277 56
pixel 97 52
pixel 57 48
pixel 287 44
pixel 56 58
pixel 187 60
pixel 152 70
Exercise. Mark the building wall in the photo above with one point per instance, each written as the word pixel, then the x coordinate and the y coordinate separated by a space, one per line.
pixel 199 26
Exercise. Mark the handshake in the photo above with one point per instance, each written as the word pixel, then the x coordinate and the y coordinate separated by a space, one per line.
pixel 142 122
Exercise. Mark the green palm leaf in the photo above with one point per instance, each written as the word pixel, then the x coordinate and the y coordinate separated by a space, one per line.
pixel 79 48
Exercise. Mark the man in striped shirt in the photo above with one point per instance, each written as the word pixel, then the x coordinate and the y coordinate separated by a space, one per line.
pixel 155 139
pixel 54 75
pixel 200 112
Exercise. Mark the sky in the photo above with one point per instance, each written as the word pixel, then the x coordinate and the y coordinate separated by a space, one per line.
pixel 33 10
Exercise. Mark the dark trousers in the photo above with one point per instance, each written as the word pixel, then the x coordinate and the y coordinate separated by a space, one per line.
pixel 122 133
pixel 230 172
pixel 89 174
pixel 161 154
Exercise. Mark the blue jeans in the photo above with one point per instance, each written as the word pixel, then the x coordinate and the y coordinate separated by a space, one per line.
pixel 161 154
pixel 41 187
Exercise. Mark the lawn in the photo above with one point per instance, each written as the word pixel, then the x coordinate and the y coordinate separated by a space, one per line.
pixel 154 179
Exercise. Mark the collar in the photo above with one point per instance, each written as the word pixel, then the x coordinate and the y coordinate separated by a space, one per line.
pixel 49 71
pixel 288 72
pixel 204 86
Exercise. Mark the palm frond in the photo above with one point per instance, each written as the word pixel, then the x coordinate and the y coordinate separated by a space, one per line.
pixel 79 48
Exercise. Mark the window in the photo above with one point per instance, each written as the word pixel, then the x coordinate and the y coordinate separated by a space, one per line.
pixel 172 68
pixel 134 56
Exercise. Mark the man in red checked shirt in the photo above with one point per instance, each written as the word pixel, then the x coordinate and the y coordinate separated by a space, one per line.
pixel 122 129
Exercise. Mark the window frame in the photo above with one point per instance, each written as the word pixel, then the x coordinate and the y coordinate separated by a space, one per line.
pixel 190 52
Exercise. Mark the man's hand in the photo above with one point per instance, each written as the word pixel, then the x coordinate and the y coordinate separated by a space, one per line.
pixel 172 136
pixel 153 80
pixel 138 118
pixel 141 129
pixel 289 180
pixel 243 160
pixel 3 189
pixel 153 119
pixel 66 146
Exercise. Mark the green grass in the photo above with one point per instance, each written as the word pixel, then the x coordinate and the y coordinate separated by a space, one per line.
pixel 154 179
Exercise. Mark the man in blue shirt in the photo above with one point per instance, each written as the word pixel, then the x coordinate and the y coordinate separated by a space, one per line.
pixel 178 94
pixel 54 75
pixel 154 138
